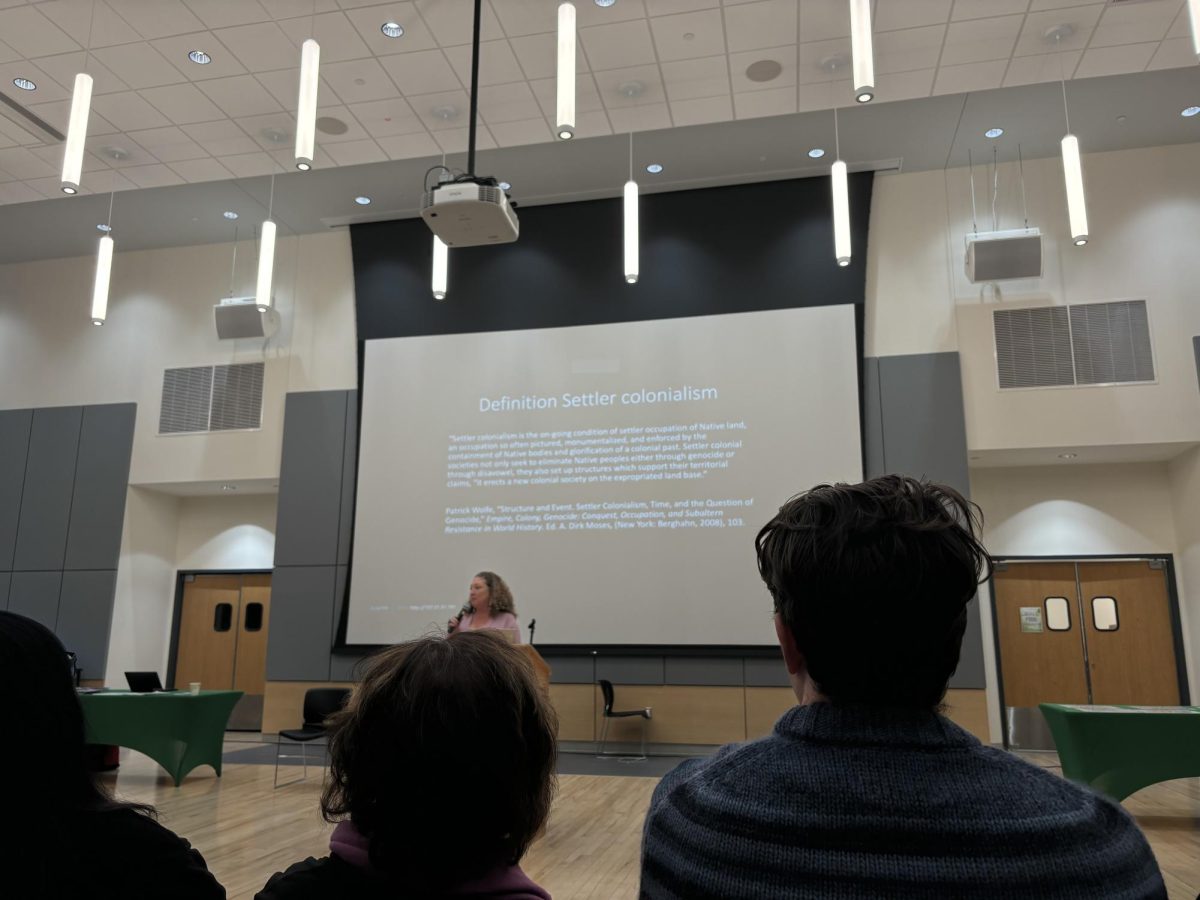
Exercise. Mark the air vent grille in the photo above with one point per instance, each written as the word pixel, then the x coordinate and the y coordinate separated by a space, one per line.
pixel 1081 344
pixel 200 399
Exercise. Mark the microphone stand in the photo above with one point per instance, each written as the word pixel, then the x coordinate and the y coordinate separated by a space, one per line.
pixel 532 626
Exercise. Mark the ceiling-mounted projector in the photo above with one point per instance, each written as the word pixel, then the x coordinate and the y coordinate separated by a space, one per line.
pixel 470 212
pixel 1003 255
pixel 242 317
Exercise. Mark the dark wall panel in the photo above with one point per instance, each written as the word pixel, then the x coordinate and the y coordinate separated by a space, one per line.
pixel 704 670
pixel 631 669
pixel 349 466
pixel 101 484
pixel 872 420
pixel 310 479
pixel 571 669
pixel 767 673
pixel 301 612
pixel 5 578
pixel 85 617
pixel 970 672
pixel 49 484
pixel 14 447
pixel 35 595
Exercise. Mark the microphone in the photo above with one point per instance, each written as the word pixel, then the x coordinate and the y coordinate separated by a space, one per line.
pixel 466 608
pixel 532 626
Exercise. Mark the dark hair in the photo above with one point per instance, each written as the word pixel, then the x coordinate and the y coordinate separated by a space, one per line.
pixel 53 778
pixel 500 598
pixel 444 758
pixel 873 580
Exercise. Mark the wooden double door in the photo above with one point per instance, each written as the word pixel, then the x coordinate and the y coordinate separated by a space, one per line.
pixel 1087 632
pixel 223 640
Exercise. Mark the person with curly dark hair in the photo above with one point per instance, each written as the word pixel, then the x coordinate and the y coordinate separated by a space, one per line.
pixel 441 776
pixel 489 605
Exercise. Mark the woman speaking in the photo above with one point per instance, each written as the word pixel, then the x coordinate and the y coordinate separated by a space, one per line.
pixel 489 605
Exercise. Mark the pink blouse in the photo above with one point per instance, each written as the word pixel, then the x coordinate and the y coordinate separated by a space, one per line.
pixel 506 622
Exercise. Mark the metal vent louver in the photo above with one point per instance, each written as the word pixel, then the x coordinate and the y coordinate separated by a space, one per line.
pixel 1081 344
pixel 199 399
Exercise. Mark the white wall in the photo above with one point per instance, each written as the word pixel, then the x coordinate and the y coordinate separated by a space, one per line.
pixel 226 532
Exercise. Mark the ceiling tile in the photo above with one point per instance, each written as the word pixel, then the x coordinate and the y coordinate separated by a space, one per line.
pixel 451 21
pixel 689 35
pixel 368 22
pixel 590 14
pixel 273 131
pixel 701 110
pixel 225 13
pixel 979 40
pixel 338 38
pixel 51 188
pixel 670 7
pixel 497 64
pixel 524 17
pixel 982 9
pixel 27 30
pixel 168 144
pixel 822 20
pixel 48 87
pixel 127 111
pixel 1115 60
pixel 358 80
pixel 7 53
pixel 592 124
pixel 1041 68
pixel 354 153
pixel 905 86
pixel 182 103
pixel 1040 5
pixel 617 46
pixel 105 180
pixel 53 155
pixel 246 165
pixel 776 102
pixel 64 67
pixel 812 66
pixel 696 78
pixel 508 103
pixel 409 146
pixel 636 86
pixel 283 85
pixel 537 55
pixel 1182 26
pixel 18 192
pixel 640 118
pixel 290 9
pixel 177 47
pixel 119 151
pixel 970 77
pixel 75 18
pixel 910 14
pixel 587 98
pixel 221 139
pixel 423 72
pixel 452 104
pixel 382 118
pixel 158 19
pixel 1134 24
pixel 20 163
pixel 139 65
pixel 521 132
pixel 151 176
pixel 58 114
pixel 1174 53
pixel 260 48
pixel 454 140
pixel 1033 35
pixel 908 50
pixel 286 160
pixel 739 64
pixel 207 169
pixel 768 23
pixel 354 131
pixel 239 96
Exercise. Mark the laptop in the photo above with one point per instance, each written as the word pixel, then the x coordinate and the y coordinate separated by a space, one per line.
pixel 143 682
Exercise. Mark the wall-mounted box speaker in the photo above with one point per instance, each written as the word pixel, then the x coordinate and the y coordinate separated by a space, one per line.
pixel 242 317
pixel 1004 255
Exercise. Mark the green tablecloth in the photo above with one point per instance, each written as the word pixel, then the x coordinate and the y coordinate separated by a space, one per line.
pixel 175 729
pixel 1122 749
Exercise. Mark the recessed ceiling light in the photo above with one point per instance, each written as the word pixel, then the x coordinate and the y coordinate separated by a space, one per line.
pixel 230 214
pixel 362 201
pixel 816 152
pixel 25 84
pixel 654 168
pixel 1067 455
pixel 1187 113
pixel 199 57
pixel 505 186
pixel 605 3
pixel 105 228
pixel 229 487
pixel 993 132
pixel 392 29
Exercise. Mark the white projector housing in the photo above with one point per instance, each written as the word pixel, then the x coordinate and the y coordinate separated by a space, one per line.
pixel 242 317
pixel 466 214
pixel 1004 255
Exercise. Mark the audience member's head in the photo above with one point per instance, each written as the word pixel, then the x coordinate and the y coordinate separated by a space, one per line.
pixel 499 597
pixel 444 758
pixel 871 584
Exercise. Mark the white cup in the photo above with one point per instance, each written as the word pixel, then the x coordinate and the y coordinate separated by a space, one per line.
pixel 194 687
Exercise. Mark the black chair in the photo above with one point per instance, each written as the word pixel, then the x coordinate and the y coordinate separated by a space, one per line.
pixel 319 705
pixel 606 688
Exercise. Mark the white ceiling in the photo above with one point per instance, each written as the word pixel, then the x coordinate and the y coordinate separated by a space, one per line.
pixel 175 122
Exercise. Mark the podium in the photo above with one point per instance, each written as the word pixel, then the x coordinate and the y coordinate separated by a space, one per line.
pixel 541 668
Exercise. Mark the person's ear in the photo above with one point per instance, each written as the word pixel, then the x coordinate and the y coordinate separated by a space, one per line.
pixel 792 657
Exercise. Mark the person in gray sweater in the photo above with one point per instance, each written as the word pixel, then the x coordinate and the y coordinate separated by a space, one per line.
pixel 864 789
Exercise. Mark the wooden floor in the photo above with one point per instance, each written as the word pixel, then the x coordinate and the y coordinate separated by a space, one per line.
pixel 247 831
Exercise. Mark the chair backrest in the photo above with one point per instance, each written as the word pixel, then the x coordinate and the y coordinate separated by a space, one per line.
pixel 606 689
pixel 321 703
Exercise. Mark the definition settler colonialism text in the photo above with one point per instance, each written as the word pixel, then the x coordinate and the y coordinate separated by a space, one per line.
pixel 645 396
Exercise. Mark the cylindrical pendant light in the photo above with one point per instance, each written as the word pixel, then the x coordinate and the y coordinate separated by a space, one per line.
pixel 841 213
pixel 863 50
pixel 103 272
pixel 1194 15
pixel 631 231
pixel 306 105
pixel 1076 202
pixel 565 123
pixel 441 268
pixel 81 107
pixel 266 265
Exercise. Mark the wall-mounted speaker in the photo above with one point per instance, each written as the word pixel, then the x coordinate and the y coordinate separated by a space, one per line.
pixel 1004 255
pixel 242 317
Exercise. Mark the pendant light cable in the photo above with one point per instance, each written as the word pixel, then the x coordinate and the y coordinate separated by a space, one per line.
pixel 1021 171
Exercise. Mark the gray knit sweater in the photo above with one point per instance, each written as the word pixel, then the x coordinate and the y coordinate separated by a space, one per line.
pixel 850 802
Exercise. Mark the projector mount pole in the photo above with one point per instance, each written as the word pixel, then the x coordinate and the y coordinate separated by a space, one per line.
pixel 474 90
